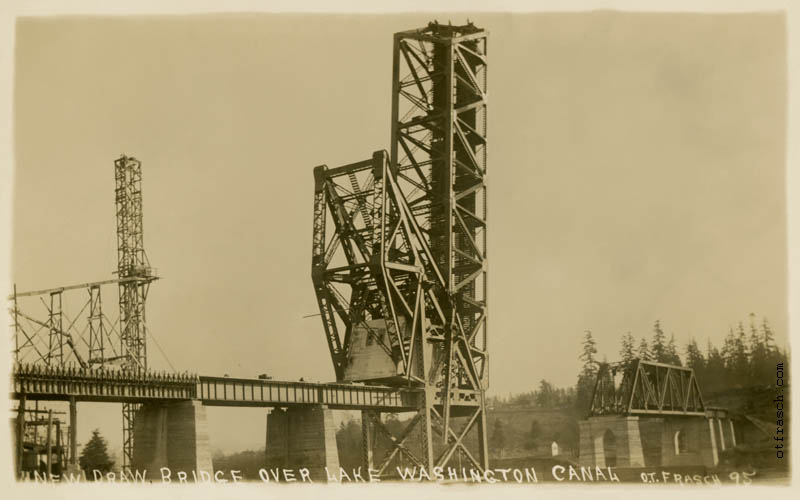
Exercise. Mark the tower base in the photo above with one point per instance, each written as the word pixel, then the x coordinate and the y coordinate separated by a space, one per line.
pixel 302 438
pixel 173 436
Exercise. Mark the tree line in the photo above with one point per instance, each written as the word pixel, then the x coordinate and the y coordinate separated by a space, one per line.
pixel 747 357
pixel 545 396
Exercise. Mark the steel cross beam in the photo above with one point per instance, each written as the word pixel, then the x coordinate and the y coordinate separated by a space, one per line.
pixel 53 331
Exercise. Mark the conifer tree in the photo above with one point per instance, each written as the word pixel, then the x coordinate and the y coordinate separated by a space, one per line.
pixel 695 359
pixel 545 397
pixel 588 352
pixel 95 456
pixel 533 436
pixel 586 378
pixel 626 351
pixel 499 437
pixel 728 351
pixel 644 351
pixel 716 373
pixel 671 352
pixel 758 354
pixel 741 368
pixel 769 338
pixel 658 346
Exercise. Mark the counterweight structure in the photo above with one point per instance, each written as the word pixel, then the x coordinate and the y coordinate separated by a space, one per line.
pixel 135 276
pixel 402 271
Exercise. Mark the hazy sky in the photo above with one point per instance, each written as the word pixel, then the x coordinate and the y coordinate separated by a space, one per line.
pixel 636 172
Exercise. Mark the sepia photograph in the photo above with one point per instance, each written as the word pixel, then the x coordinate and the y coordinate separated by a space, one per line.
pixel 460 247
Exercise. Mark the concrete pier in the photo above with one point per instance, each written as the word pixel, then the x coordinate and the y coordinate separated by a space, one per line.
pixel 302 437
pixel 631 441
pixel 172 435
pixel 608 439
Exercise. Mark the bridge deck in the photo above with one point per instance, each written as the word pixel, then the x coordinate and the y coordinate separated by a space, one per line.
pixel 224 391
pixel 62 384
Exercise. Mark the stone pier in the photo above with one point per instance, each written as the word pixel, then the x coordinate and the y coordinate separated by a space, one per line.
pixel 302 437
pixel 172 435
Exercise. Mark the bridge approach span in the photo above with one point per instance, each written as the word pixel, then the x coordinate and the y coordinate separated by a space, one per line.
pixel 113 386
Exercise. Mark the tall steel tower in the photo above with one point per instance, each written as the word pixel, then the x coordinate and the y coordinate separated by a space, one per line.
pixel 135 275
pixel 403 269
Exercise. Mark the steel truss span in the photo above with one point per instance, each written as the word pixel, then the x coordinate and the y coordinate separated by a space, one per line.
pixel 646 388
pixel 399 261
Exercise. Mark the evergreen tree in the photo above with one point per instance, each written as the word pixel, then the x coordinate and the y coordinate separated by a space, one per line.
pixel 627 352
pixel 773 353
pixel 586 378
pixel 715 374
pixel 95 456
pixel 658 346
pixel 741 368
pixel 695 359
pixel 644 351
pixel 758 354
pixel 545 397
pixel 729 349
pixel 533 435
pixel 499 437
pixel 588 352
pixel 348 443
pixel 671 352
pixel 769 338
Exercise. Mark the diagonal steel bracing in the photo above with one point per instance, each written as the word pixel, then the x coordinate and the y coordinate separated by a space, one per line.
pixel 645 387
pixel 399 247
pixel 131 263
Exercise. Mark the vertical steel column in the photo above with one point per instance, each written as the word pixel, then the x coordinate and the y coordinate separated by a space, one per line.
pixel 55 352
pixel 73 431
pixel 20 435
pixel 16 325
pixel 136 275
pixel 59 446
pixel 49 444
pixel 412 249
pixel 133 266
pixel 367 441
pixel 483 441
pixel 96 329
pixel 427 429
pixel 36 427
pixel 439 152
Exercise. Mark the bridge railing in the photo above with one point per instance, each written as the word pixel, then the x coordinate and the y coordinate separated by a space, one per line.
pixel 63 382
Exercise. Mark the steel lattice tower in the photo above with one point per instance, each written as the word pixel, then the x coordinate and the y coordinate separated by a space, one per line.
pixel 135 276
pixel 403 270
